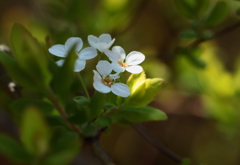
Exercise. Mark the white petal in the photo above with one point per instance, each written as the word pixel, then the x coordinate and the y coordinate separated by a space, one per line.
pixel 87 53
pixel 102 47
pixel 134 58
pixel 60 62
pixel 104 68
pixel 79 65
pixel 120 89
pixel 119 51
pixel 111 55
pixel 93 41
pixel 134 69
pixel 96 76
pixel 105 38
pixel 58 50
pixel 117 68
pixel 74 41
pixel 99 86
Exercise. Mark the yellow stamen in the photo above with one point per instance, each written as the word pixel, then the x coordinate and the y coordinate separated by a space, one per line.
pixel 107 81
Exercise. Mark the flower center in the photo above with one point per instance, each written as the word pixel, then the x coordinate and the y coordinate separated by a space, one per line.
pixel 122 64
pixel 107 81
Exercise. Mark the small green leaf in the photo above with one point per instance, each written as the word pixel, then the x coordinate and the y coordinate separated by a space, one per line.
pixel 13 150
pixel 109 106
pixel 218 14
pixel 103 121
pixel 188 34
pixel 54 120
pixel 141 114
pixel 191 9
pixel 81 100
pixel 89 130
pixel 35 137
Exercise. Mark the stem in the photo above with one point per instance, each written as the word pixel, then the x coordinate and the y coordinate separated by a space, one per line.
pixel 61 110
pixel 84 86
pixel 140 129
pixel 104 156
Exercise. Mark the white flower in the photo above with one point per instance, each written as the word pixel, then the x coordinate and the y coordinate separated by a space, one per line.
pixel 105 82
pixel 62 51
pixel 102 43
pixel 120 62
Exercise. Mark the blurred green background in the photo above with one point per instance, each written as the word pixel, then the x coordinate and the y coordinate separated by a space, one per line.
pixel 201 92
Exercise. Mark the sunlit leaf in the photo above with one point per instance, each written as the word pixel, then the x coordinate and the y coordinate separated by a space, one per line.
pixel 34 131
pixel 141 114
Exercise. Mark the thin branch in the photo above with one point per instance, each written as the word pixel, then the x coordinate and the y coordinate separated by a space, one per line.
pixel 104 156
pixel 61 111
pixel 140 129
pixel 216 35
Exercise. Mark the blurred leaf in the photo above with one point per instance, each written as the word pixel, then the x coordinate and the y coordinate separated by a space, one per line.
pixel 31 56
pixel 80 117
pixel 13 150
pixel 81 100
pixel 188 34
pixel 109 106
pixel 141 114
pixel 18 106
pixel 13 69
pixel 89 130
pixel 191 8
pixel 218 14
pixel 54 120
pixel 103 121
pixel 64 147
pixel 34 131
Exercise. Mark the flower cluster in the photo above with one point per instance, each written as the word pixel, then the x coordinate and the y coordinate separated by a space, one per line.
pixel 104 80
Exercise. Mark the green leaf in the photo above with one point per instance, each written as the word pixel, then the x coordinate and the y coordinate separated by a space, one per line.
pixel 81 100
pixel 54 120
pixel 89 130
pixel 34 131
pixel 64 147
pixel 31 56
pixel 191 9
pixel 13 150
pixel 63 79
pixel 109 106
pixel 142 90
pixel 96 104
pixel 188 34
pixel 13 69
pixel 142 114
pixel 218 14
pixel 18 106
pixel 103 121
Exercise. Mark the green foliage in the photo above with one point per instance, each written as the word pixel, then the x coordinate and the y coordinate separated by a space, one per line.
pixel 31 56
pixel 142 90
pixel 96 104
pixel 63 78
pixel 191 9
pixel 218 14
pixel 140 114
pixel 64 146
pixel 19 106
pixel 35 137
pixel 188 34
pixel 14 150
